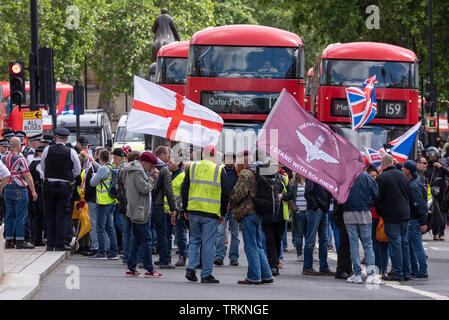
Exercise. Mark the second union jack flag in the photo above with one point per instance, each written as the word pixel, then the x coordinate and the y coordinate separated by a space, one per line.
pixel 362 103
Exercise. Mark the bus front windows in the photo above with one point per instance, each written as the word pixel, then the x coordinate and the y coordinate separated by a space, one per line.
pixel 171 70
pixel 389 74
pixel 243 62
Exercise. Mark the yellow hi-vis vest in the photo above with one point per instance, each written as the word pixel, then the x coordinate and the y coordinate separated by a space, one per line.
pixel 176 184
pixel 103 197
pixel 205 187
pixel 284 203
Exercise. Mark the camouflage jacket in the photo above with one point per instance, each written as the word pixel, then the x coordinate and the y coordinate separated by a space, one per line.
pixel 240 201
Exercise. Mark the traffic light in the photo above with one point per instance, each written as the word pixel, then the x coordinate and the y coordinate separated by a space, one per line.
pixel 17 82
pixel 46 83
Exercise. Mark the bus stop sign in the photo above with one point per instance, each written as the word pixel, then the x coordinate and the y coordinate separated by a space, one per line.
pixel 32 122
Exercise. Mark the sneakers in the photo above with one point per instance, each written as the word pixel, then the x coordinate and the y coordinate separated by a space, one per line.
pixel 441 238
pixel 374 279
pixel 10 244
pixel 246 281
pixel 330 248
pixel 112 257
pixel 281 263
pixel 234 263
pixel 275 271
pixel 218 262
pixel 209 279
pixel 300 258
pixel 420 277
pixel 21 244
pixel 267 280
pixel 327 272
pixel 130 273
pixel 355 279
pixel 181 262
pixel 153 274
pixel 436 238
pixel 311 272
pixel 99 256
pixel 190 275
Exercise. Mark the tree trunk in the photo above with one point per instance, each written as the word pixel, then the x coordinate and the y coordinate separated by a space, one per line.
pixel 104 101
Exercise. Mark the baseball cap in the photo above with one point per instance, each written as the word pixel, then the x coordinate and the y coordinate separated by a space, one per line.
pixel 411 166
pixel 148 156
pixel 119 152
pixel 209 150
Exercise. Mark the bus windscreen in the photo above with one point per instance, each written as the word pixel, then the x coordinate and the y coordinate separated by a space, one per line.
pixel 171 70
pixel 243 62
pixel 389 74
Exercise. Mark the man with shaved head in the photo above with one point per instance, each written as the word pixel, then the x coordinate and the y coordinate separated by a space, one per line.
pixel 16 196
pixel 394 208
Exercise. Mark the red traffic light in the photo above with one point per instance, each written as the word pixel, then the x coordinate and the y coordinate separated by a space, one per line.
pixel 15 68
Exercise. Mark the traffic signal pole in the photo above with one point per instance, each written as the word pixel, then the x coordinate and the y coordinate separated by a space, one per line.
pixel 34 55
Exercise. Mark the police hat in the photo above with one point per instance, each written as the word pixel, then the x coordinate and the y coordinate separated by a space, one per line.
pixel 4 143
pixel 62 132
pixel 36 137
pixel 8 134
pixel 20 134
pixel 48 138
pixel 40 149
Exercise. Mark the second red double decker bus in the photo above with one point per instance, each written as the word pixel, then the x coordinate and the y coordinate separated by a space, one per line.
pixel 343 65
pixel 171 66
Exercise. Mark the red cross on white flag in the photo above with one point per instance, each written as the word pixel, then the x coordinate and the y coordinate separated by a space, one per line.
pixel 161 112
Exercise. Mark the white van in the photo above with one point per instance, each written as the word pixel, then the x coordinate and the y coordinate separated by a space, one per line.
pixel 135 140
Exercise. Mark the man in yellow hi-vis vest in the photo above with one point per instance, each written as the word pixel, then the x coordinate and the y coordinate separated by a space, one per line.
pixel 204 201
pixel 105 209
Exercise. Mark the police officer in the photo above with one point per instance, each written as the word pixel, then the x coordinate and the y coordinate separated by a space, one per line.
pixel 48 139
pixel 8 134
pixel 33 143
pixel 60 165
pixel 37 207
pixel 205 201
pixel 4 147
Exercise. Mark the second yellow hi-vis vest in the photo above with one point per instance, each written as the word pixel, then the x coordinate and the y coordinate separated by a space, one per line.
pixel 103 197
pixel 176 184
pixel 205 187
pixel 284 203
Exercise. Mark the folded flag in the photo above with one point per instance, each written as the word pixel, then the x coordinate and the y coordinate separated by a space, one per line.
pixel 362 103
pixel 161 112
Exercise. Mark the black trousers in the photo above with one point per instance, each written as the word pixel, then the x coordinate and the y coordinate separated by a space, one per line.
pixel 57 200
pixel 38 223
pixel 273 236
pixel 344 262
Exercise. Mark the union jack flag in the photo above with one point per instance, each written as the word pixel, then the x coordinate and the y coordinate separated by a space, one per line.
pixel 401 147
pixel 374 157
pixel 362 103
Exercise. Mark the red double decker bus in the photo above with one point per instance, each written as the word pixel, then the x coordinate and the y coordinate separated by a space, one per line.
pixel 397 93
pixel 171 66
pixel 238 71
pixel 308 91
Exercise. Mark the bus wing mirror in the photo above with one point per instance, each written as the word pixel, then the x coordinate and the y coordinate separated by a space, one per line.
pixel 300 63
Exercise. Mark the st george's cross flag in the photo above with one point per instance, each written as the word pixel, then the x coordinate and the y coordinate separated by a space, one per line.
pixel 161 112
pixel 362 103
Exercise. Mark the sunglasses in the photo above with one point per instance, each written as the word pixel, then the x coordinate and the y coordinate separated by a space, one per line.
pixel 422 162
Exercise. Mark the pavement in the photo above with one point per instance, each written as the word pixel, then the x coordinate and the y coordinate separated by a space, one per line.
pixel 25 269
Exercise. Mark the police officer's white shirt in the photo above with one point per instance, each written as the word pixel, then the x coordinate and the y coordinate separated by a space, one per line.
pixel 30 157
pixel 73 156
pixel 4 172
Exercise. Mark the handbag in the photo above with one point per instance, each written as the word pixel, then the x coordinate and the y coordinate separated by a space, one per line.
pixel 380 231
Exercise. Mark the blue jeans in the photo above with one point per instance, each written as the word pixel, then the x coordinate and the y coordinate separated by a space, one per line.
pixel 92 208
pixel 333 229
pixel 141 238
pixel 181 235
pixel 380 249
pixel 258 267
pixel 284 241
pixel 105 229
pixel 417 253
pixel 16 203
pixel 203 234
pixel 126 239
pixel 397 234
pixel 118 219
pixel 300 230
pixel 221 239
pixel 316 223
pixel 362 231
pixel 158 219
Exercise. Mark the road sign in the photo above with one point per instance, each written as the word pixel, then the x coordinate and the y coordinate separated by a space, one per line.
pixel 32 122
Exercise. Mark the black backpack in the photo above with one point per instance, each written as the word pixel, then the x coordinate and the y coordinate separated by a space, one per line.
pixel 266 201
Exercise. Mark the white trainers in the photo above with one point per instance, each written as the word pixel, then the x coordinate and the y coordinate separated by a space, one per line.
pixel 374 279
pixel 300 258
pixel 355 279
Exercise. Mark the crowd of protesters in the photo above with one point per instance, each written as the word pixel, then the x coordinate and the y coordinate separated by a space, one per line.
pixel 142 203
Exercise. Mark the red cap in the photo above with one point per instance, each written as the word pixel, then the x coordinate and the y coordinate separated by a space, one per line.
pixel 209 150
pixel 147 156
pixel 366 161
